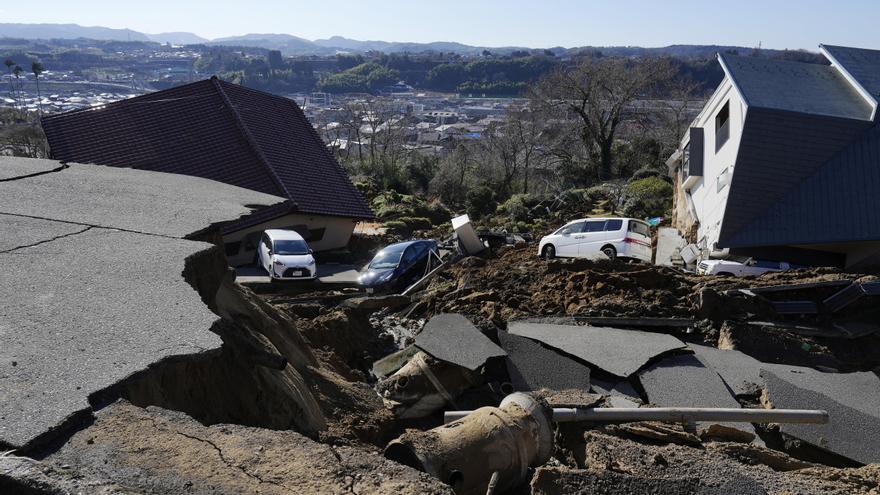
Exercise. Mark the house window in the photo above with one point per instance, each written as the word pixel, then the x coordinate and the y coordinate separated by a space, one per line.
pixel 722 126
pixel 722 180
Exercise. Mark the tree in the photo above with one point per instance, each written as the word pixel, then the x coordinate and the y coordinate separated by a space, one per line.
pixel 17 73
pixel 37 69
pixel 9 63
pixel 600 93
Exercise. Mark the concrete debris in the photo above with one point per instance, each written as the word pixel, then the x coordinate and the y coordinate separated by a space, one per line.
pixel 454 339
pixel 532 366
pixel 508 440
pixel 851 399
pixel 615 351
pixel 425 385
pixel 685 381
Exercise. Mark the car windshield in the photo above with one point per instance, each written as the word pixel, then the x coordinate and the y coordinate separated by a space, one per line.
pixel 386 258
pixel 289 247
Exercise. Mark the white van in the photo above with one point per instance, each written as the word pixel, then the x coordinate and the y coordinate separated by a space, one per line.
pixel 285 255
pixel 588 237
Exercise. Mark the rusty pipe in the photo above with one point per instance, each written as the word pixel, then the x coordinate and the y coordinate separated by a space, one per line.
pixel 676 415
pixel 465 454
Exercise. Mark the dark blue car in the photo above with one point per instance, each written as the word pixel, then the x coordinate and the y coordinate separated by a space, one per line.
pixel 398 266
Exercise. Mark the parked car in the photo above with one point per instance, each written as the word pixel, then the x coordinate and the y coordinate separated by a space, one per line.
pixel 587 237
pixel 743 268
pixel 285 255
pixel 398 266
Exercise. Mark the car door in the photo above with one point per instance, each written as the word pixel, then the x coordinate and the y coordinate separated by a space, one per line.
pixel 592 239
pixel 264 250
pixel 567 241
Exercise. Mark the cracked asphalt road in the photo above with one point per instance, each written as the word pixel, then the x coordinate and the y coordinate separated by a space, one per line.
pixel 92 260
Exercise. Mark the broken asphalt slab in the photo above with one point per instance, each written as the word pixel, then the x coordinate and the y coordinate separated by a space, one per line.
pixel 84 312
pixel 851 399
pixel 532 366
pixel 87 305
pixel 685 381
pixel 741 372
pixel 618 352
pixel 453 338
pixel 135 200
pixel 154 450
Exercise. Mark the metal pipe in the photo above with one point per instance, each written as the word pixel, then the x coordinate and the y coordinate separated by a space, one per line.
pixel 676 415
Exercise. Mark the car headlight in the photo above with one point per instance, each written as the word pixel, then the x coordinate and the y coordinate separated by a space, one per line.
pixel 277 263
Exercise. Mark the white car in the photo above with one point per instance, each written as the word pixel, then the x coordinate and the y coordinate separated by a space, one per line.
pixel 589 237
pixel 286 256
pixel 740 269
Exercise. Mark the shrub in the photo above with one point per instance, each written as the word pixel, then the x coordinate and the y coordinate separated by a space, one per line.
pixel 397 227
pixel 644 173
pixel 481 202
pixel 517 208
pixel 416 223
pixel 648 197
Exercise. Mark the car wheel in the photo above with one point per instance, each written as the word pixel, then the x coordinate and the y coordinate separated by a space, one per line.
pixel 610 252
pixel 549 252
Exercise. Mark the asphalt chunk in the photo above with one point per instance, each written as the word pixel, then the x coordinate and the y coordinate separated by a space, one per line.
pixel 851 399
pixel 616 351
pixel 741 372
pixel 532 366
pixel 453 338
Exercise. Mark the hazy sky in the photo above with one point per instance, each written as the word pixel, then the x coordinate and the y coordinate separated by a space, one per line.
pixel 535 23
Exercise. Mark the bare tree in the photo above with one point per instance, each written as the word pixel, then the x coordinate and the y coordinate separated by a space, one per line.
pixel 600 92
pixel 37 69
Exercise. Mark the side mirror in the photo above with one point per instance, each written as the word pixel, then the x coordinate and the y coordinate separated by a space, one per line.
pixel 311 251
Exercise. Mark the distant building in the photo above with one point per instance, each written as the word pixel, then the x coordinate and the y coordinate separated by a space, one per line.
pixel 228 133
pixel 783 162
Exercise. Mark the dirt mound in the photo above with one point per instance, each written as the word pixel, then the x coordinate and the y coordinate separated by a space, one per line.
pixel 159 451
pixel 518 284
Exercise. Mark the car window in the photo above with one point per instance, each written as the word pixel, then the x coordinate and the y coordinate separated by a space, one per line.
pixel 639 228
pixel 385 260
pixel 575 228
pixel 595 226
pixel 613 225
pixel 410 256
pixel 290 247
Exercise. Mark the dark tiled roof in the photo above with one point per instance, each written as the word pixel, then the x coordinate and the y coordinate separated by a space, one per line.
pixel 215 130
pixel 863 65
pixel 779 150
pixel 837 203
pixel 796 86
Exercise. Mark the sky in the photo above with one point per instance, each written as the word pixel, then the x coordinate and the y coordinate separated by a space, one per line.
pixel 536 23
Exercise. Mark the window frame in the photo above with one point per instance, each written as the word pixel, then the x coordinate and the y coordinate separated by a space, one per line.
pixel 722 130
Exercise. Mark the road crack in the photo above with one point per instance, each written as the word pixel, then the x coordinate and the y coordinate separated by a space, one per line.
pixel 45 241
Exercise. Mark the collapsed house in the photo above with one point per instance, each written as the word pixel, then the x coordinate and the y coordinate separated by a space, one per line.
pixel 228 133
pixel 783 162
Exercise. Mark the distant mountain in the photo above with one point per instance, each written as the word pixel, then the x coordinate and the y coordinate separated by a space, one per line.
pixel 68 31
pixel 288 44
pixel 177 38
pixel 294 45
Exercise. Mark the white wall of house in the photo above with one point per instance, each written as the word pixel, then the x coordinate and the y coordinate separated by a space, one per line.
pixel 709 192
pixel 337 232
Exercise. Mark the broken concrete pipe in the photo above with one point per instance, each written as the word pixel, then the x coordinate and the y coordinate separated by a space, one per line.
pixel 507 439
pixel 675 415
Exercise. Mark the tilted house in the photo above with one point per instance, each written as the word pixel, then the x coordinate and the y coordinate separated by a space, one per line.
pixel 783 162
pixel 231 134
